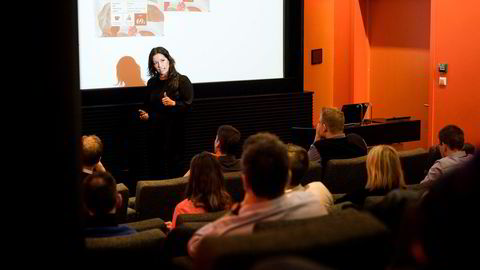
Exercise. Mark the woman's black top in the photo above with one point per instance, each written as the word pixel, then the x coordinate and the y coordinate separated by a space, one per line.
pixel 182 95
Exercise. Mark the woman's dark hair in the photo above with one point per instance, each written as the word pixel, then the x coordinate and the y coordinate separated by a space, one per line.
pixel 206 187
pixel 173 75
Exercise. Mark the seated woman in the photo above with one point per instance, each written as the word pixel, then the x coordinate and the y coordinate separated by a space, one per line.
pixel 384 172
pixel 205 190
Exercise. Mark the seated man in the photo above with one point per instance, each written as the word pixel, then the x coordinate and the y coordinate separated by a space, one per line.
pixel 330 141
pixel 451 140
pixel 265 173
pixel 101 201
pixel 298 160
pixel 226 143
pixel 92 150
pixel 225 146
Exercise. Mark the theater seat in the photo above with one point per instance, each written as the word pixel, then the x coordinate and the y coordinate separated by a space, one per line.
pixel 142 247
pixel 345 240
pixel 122 212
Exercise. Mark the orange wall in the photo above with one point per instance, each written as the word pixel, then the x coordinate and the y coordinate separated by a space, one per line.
pixel 386 52
pixel 361 51
pixel 342 58
pixel 318 33
pixel 456 41
pixel 399 60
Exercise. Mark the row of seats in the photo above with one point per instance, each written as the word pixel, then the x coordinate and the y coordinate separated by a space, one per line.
pixel 342 240
pixel 158 198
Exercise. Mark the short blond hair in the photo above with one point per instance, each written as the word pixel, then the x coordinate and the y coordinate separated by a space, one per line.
pixel 384 168
pixel 92 150
pixel 334 119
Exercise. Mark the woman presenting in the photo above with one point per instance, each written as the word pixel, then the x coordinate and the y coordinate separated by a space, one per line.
pixel 168 98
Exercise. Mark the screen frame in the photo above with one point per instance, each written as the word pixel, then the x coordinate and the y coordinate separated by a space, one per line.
pixel 291 82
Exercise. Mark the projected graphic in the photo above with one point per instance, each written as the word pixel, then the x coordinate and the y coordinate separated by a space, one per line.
pixel 127 18
pixel 130 18
pixel 186 5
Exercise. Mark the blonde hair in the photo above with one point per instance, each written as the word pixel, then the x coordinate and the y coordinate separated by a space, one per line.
pixel 384 169
pixel 92 150
pixel 334 119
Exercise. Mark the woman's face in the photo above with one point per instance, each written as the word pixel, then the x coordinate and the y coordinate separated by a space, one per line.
pixel 161 64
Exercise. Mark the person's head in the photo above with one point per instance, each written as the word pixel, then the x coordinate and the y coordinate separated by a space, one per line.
pixel 384 169
pixel 331 123
pixel 100 195
pixel 265 169
pixel 298 160
pixel 92 150
pixel 160 63
pixel 451 139
pixel 206 187
pixel 227 140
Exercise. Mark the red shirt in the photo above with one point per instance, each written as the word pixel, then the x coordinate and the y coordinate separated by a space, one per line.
pixel 186 207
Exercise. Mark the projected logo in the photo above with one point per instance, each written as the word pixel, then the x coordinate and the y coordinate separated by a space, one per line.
pixel 187 5
pixel 127 18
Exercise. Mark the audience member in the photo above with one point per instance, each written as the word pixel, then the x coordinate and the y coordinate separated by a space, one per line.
pixel 451 149
pixel 101 201
pixel 298 161
pixel 384 172
pixel 92 151
pixel 330 140
pixel 441 231
pixel 225 146
pixel 265 174
pixel 205 190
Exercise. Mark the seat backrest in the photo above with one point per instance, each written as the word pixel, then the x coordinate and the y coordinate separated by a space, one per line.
pixel 414 163
pixel 234 185
pixel 345 240
pixel 345 175
pixel 206 217
pixel 158 198
pixel 177 239
pixel 122 212
pixel 314 173
pixel 145 245
pixel 148 224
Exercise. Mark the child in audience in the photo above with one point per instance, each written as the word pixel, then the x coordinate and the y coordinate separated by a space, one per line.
pixel 384 172
pixel 205 190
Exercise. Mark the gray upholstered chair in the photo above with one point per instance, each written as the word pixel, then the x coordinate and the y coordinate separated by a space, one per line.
pixel 414 163
pixel 314 173
pixel 206 218
pixel 122 212
pixel 234 186
pixel 345 240
pixel 148 224
pixel 158 198
pixel 145 246
pixel 345 175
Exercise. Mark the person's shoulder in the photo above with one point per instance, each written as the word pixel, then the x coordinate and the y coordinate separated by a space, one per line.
pixel 152 80
pixel 316 185
pixel 184 80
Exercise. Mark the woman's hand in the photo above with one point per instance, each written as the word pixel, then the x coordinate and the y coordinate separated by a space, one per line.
pixel 143 115
pixel 167 101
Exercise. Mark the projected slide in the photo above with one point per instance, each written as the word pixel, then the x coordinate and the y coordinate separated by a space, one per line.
pixel 210 40
pixel 127 18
